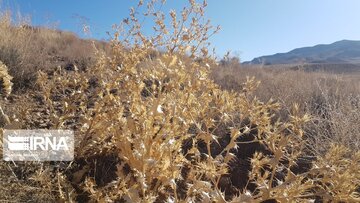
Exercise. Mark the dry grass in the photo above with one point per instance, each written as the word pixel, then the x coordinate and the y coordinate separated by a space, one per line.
pixel 157 128
pixel 26 49
pixel 333 100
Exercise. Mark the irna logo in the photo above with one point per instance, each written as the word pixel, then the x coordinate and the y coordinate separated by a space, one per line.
pixel 38 145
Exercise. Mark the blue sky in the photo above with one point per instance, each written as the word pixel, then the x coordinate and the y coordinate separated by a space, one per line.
pixel 250 28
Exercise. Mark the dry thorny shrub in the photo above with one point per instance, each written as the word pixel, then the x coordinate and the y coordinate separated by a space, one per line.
pixel 5 81
pixel 157 129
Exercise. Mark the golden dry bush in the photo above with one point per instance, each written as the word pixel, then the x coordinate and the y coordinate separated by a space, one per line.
pixel 156 128
pixel 5 90
pixel 5 81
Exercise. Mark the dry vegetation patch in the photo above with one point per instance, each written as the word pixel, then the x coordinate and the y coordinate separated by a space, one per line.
pixel 331 99
pixel 156 128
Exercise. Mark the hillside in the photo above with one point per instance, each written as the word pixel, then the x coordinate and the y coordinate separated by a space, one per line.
pixel 26 49
pixel 340 52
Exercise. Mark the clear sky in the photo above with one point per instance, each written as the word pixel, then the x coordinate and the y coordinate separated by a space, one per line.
pixel 250 28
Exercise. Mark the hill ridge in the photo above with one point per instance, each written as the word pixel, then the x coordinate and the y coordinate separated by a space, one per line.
pixel 343 51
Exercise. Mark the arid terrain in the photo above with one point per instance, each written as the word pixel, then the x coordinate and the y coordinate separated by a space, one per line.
pixel 158 119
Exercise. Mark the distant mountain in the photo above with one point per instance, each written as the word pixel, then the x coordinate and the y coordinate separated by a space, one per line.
pixel 340 52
